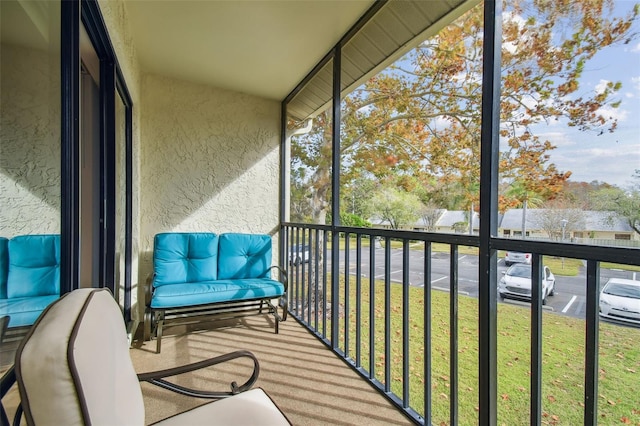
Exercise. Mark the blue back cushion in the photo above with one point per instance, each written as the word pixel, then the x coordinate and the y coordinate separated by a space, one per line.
pixel 34 266
pixel 184 257
pixel 244 256
pixel 4 266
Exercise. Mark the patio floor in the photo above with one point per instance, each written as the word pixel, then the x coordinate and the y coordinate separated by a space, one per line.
pixel 304 378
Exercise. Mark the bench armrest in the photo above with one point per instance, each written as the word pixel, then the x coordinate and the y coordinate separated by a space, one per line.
pixel 283 276
pixel 158 377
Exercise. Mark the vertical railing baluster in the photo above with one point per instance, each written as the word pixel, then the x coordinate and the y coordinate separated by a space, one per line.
pixel 285 263
pixel 294 252
pixel 358 300
pixel 387 314
pixel 372 307
pixel 309 270
pixel 453 334
pixel 314 255
pixel 535 407
pixel 405 323
pixel 305 290
pixel 591 344
pixel 347 237
pixel 427 333
pixel 324 284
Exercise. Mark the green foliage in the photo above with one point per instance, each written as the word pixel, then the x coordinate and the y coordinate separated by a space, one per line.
pixel 625 204
pixel 401 209
pixel 353 220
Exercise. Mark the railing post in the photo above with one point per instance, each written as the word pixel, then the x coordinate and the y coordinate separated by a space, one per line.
pixel 335 200
pixel 488 259
pixel 591 344
pixel 535 405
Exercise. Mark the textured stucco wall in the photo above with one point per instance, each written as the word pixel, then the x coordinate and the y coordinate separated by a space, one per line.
pixel 114 14
pixel 209 161
pixel 29 141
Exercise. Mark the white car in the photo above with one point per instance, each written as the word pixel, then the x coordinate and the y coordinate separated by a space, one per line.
pixel 512 257
pixel 620 300
pixel 516 283
pixel 298 254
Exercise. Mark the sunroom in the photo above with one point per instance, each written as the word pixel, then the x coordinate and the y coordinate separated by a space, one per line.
pixel 123 119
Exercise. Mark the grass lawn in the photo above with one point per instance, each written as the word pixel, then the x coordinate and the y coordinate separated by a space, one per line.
pixel 562 364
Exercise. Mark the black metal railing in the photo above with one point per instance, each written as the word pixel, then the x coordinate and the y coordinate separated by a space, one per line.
pixel 367 294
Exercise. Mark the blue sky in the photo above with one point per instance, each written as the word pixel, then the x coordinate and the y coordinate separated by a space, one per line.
pixel 610 158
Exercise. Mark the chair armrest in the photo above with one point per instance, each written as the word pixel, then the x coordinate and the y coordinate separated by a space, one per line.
pixel 148 289
pixel 158 377
pixel 284 300
pixel 283 276
pixel 6 382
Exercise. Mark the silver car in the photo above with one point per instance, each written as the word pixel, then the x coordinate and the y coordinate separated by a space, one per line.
pixel 298 254
pixel 516 283
pixel 620 300
pixel 512 257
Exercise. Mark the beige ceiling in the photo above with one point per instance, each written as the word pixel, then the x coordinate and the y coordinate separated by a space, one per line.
pixel 259 47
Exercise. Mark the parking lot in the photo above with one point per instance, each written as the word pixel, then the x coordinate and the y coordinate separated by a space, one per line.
pixel 569 298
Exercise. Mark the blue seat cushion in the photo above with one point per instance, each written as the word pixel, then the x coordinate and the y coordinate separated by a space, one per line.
pixel 185 257
pixel 25 310
pixel 202 293
pixel 34 266
pixel 244 256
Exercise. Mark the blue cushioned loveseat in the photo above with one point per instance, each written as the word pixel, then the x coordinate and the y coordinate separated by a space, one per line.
pixel 29 276
pixel 204 274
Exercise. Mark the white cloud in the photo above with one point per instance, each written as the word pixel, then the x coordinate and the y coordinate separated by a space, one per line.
pixel 608 112
pixel 601 86
pixel 608 158
pixel 636 48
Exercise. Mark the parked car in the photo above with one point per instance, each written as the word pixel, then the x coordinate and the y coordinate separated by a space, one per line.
pixel 620 300
pixel 512 257
pixel 516 283
pixel 298 254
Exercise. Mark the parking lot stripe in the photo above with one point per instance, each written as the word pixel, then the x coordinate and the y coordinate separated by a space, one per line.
pixel 566 308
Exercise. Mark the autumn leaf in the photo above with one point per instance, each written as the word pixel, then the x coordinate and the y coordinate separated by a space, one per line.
pixel 388 131
pixel 625 420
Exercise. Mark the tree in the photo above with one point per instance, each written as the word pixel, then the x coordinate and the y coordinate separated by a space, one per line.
pixel 421 117
pixel 556 221
pixel 401 209
pixel 624 204
pixel 430 214
pixel 525 197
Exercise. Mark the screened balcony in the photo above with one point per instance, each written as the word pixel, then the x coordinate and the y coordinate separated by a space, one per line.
pixel 387 326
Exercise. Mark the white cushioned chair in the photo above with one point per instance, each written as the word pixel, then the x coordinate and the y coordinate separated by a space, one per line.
pixel 74 368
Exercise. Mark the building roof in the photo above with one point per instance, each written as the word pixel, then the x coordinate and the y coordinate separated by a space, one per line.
pixel 451 217
pixel 590 220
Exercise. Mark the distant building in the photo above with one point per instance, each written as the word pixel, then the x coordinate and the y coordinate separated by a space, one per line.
pixel 457 222
pixel 581 226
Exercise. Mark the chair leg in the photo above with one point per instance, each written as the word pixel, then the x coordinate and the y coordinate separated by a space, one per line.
pixel 159 325
pixel 147 325
pixel 284 304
